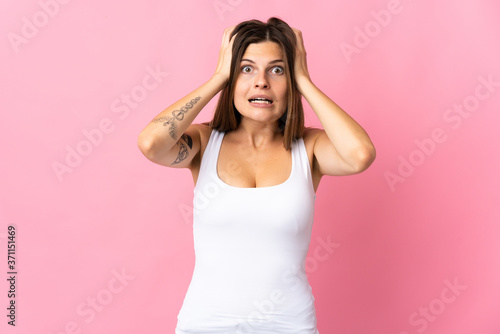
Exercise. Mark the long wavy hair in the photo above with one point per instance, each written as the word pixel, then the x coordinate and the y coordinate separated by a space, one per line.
pixel 226 117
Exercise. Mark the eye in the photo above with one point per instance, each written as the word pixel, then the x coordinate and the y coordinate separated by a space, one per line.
pixel 246 69
pixel 277 70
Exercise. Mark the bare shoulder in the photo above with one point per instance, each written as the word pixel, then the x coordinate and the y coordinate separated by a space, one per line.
pixel 202 132
pixel 310 135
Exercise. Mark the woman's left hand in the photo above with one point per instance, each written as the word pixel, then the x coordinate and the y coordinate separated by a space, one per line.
pixel 300 66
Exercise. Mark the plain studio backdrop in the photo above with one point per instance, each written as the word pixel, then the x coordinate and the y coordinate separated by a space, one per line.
pixel 103 237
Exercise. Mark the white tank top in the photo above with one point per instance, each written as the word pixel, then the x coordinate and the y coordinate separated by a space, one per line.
pixel 250 248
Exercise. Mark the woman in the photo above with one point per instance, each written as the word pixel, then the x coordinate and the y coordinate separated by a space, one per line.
pixel 256 169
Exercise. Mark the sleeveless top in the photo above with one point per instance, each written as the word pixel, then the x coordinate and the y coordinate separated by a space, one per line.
pixel 250 249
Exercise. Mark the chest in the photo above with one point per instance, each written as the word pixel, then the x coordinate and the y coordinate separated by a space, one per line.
pixel 243 166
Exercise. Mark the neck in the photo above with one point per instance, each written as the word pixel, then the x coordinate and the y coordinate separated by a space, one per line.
pixel 257 134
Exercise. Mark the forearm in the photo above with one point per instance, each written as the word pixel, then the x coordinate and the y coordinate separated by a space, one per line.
pixel 349 139
pixel 167 127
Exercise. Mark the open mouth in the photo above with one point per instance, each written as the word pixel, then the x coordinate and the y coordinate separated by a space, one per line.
pixel 260 100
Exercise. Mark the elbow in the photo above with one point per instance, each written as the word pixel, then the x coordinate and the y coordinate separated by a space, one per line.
pixel 365 157
pixel 146 146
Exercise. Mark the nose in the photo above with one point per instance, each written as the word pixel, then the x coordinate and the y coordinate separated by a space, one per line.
pixel 261 81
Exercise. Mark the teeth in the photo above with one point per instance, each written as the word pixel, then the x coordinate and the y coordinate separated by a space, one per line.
pixel 260 100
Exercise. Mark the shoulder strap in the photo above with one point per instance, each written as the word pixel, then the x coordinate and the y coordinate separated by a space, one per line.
pixel 302 158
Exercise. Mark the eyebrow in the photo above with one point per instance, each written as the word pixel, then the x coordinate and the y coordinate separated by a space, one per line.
pixel 271 62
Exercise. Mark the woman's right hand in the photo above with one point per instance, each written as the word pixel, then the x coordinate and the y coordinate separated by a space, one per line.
pixel 224 63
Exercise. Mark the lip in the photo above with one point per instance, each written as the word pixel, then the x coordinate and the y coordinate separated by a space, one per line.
pixel 260 96
pixel 261 105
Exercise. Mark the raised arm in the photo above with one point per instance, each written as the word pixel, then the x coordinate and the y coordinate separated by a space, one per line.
pixel 171 139
pixel 343 147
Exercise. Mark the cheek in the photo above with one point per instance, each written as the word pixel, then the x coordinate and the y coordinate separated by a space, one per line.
pixel 239 94
pixel 280 86
pixel 241 88
pixel 283 93
pixel 284 99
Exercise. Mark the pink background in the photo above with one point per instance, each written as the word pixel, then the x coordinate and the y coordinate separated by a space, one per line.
pixel 105 245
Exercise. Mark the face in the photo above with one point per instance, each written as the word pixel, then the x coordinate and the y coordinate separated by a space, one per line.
pixel 260 91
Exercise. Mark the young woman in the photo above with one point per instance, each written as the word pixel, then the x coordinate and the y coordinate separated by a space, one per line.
pixel 256 169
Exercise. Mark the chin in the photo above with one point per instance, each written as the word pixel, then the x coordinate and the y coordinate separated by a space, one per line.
pixel 258 115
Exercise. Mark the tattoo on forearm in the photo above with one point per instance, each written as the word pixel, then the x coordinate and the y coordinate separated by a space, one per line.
pixel 177 115
pixel 183 148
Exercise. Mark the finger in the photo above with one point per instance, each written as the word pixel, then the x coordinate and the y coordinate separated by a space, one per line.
pixel 228 31
pixel 300 40
pixel 231 39
pixel 226 34
pixel 297 32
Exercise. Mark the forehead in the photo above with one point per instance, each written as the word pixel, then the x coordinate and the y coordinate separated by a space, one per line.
pixel 266 50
